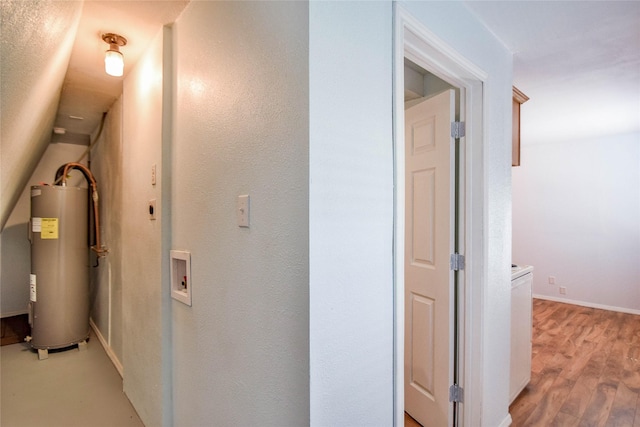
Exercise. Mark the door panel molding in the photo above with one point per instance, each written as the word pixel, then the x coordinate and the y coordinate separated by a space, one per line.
pixel 423 311
pixel 422 218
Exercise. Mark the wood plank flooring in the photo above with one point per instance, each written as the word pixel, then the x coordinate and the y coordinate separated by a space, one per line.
pixel 585 369
pixel 410 422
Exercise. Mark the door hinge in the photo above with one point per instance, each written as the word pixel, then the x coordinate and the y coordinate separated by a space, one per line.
pixel 456 394
pixel 457 130
pixel 457 262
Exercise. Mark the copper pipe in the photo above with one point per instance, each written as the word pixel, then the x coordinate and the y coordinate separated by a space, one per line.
pixel 97 248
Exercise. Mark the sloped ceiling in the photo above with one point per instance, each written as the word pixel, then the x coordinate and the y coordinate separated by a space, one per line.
pixel 37 38
pixel 52 74
pixel 88 91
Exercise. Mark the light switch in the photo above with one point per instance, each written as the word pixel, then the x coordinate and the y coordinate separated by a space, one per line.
pixel 153 174
pixel 242 211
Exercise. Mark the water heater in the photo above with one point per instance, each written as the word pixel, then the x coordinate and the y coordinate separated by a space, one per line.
pixel 59 282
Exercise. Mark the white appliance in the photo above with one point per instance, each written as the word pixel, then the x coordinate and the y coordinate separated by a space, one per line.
pixel 521 328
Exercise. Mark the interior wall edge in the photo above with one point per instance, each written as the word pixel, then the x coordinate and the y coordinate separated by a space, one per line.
pixel 107 349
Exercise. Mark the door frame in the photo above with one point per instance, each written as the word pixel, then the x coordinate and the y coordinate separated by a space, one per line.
pixel 414 41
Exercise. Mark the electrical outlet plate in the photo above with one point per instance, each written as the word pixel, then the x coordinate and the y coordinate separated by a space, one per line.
pixel 180 270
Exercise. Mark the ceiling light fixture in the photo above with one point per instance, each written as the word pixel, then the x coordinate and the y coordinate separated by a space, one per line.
pixel 113 59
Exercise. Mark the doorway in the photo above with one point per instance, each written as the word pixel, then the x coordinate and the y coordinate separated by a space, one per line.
pixel 432 232
pixel 418 51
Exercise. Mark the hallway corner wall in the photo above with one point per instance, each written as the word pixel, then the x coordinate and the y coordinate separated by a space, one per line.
pixel 106 279
pixel 351 213
pixel 241 351
pixel 142 333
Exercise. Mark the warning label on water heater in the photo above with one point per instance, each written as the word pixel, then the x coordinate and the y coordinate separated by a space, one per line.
pixel 49 228
pixel 32 287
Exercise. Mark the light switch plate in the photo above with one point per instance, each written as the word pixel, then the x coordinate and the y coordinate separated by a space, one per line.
pixel 153 174
pixel 242 210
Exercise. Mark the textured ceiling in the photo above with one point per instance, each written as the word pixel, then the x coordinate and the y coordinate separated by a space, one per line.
pixel 52 68
pixel 88 91
pixel 578 61
pixel 35 47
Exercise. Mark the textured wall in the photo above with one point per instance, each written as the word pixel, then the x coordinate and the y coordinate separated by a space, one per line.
pixel 240 353
pixel 576 216
pixel 30 86
pixel 141 237
pixel 106 279
pixel 351 213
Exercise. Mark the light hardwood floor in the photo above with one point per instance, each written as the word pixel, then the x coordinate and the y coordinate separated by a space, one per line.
pixel 410 422
pixel 585 368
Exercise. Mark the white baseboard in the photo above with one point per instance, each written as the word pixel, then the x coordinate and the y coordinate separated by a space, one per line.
pixel 507 421
pixel 107 348
pixel 588 304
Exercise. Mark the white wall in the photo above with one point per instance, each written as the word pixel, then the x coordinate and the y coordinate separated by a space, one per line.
pixel 576 216
pixel 142 291
pixel 351 200
pixel 351 213
pixel 16 249
pixel 106 279
pixel 241 351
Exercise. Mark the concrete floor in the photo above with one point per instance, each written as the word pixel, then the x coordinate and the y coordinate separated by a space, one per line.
pixel 70 388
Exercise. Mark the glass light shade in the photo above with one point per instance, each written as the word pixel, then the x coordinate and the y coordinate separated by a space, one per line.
pixel 114 63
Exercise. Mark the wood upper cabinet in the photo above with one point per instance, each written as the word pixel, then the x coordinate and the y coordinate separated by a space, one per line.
pixel 518 99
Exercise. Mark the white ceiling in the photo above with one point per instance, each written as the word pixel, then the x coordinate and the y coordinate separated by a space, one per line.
pixel 578 61
pixel 88 91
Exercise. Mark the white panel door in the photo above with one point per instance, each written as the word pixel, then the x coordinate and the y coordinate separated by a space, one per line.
pixel 429 236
